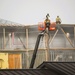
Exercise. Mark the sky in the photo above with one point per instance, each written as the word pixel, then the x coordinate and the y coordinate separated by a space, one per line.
pixel 33 11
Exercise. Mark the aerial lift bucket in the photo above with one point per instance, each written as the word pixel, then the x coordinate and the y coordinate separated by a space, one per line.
pixel 52 26
pixel 41 26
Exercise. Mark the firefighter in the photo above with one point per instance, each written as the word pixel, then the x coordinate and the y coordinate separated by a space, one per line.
pixel 58 20
pixel 47 21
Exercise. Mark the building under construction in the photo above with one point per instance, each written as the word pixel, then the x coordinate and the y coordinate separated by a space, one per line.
pixel 17 43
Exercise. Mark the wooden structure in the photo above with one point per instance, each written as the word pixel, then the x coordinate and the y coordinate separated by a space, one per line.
pixel 65 28
pixel 14 43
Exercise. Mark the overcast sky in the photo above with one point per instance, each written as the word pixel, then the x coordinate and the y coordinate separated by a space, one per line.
pixel 34 11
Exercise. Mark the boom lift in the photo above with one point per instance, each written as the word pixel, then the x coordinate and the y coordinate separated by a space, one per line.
pixel 44 28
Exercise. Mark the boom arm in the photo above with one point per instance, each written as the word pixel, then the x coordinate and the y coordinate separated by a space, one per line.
pixel 36 48
pixel 47 26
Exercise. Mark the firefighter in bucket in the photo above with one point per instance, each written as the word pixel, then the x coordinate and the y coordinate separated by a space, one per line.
pixel 47 22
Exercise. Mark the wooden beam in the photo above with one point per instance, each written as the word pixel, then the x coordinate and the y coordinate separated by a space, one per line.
pixel 67 37
pixel 27 48
pixel 10 40
pixel 22 42
pixel 4 41
pixel 27 39
pixel 54 36
pixel 74 36
pixel 47 47
pixel 21 51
